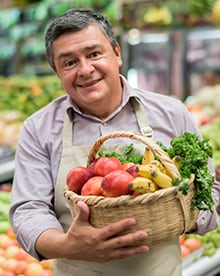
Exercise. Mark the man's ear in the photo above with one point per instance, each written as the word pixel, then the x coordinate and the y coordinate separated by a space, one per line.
pixel 118 53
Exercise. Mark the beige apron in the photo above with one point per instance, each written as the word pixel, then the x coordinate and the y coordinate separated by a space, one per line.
pixel 161 260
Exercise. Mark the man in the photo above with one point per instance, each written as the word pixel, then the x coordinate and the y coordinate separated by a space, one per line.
pixel 85 56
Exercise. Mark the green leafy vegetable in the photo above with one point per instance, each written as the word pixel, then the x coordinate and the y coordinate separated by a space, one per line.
pixel 127 155
pixel 195 153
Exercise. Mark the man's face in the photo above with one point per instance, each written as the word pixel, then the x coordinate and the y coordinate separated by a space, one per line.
pixel 88 69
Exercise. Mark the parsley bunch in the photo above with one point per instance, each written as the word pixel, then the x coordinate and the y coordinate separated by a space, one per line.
pixel 194 153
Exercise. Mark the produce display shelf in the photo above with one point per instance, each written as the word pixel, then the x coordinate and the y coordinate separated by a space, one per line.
pixel 204 266
pixel 7 170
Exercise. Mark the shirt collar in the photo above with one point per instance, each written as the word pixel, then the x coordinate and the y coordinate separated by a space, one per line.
pixel 70 108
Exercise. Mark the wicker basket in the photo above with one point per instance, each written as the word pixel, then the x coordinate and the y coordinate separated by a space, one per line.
pixel 164 214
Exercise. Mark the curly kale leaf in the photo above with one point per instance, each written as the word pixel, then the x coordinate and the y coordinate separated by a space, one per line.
pixel 194 153
pixel 190 141
pixel 203 197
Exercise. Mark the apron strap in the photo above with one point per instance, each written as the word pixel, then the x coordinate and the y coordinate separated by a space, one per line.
pixel 67 132
pixel 142 120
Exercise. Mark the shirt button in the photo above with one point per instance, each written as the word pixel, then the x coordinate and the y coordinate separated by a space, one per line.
pixel 104 123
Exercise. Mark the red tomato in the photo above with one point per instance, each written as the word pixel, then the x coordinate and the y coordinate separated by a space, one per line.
pixel 92 186
pixel 192 244
pixel 116 183
pixel 181 239
pixel 105 165
pixel 184 251
pixel 77 177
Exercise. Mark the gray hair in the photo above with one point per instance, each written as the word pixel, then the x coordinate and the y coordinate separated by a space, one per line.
pixel 75 20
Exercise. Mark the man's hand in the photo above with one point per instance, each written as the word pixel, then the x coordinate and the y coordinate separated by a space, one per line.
pixel 100 245
pixel 84 242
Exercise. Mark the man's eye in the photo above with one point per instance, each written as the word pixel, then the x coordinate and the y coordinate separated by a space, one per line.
pixel 70 63
pixel 95 54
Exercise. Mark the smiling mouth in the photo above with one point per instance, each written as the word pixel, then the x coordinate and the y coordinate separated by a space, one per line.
pixel 89 84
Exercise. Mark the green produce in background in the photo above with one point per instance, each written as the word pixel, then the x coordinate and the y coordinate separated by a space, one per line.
pixel 212 132
pixel 28 94
pixel 200 7
pixel 5 200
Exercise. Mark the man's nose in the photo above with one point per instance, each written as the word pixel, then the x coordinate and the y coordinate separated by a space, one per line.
pixel 85 67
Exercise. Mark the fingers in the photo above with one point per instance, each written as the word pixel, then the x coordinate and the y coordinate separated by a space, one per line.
pixel 110 234
pixel 108 231
pixel 121 253
pixel 124 246
pixel 116 228
pixel 129 239
pixel 126 240
pixel 106 243
pixel 83 215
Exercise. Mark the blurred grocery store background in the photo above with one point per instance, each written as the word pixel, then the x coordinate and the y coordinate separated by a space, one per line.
pixel 170 47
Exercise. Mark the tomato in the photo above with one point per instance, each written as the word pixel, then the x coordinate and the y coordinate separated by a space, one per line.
pixel 92 186
pixel 105 165
pixel 193 244
pixel 184 251
pixel 181 239
pixel 116 183
pixel 77 177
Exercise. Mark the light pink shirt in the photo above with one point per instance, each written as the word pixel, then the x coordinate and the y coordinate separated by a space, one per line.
pixel 39 149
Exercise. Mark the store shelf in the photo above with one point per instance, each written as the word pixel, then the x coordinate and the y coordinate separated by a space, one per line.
pixel 204 266
pixel 7 170
pixel 199 69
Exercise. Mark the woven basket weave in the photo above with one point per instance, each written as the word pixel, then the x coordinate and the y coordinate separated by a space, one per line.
pixel 164 214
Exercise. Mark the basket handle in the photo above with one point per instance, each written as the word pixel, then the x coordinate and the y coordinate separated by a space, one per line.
pixel 164 157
